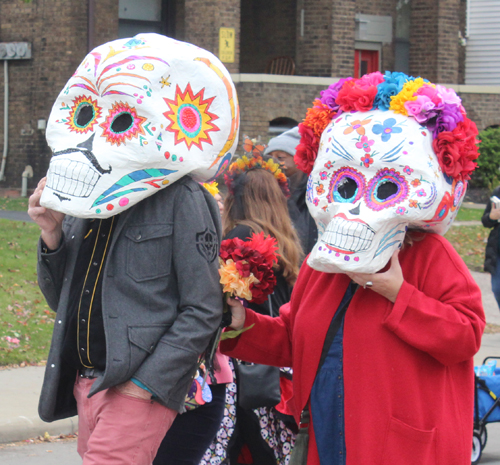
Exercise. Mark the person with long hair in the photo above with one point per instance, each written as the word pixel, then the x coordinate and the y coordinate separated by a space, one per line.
pixel 257 202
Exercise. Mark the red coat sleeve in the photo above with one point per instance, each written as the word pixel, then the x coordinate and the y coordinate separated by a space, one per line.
pixel 268 342
pixel 445 318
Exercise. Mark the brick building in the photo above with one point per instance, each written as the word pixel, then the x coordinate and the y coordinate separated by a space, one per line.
pixel 326 39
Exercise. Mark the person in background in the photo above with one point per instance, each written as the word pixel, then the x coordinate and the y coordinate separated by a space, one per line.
pixel 490 219
pixel 192 432
pixel 282 150
pixel 256 202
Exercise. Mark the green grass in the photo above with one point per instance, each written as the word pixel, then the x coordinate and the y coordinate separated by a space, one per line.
pixel 470 243
pixel 14 204
pixel 24 314
pixel 469 214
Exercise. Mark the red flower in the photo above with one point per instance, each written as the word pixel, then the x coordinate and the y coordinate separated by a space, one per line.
pixel 253 257
pixel 307 150
pixel 354 97
pixel 457 150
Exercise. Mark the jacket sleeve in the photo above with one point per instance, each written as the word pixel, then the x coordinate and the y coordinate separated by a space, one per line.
pixel 444 317
pixel 196 243
pixel 50 272
pixel 485 219
pixel 267 342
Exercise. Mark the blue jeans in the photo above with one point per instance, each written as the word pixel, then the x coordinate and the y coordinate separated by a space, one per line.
pixel 495 282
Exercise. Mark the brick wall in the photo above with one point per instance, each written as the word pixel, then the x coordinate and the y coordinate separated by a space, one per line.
pixel 202 21
pixel 268 30
pixel 343 28
pixel 262 102
pixel 57 32
pixel 482 108
pixel 314 48
pixel 448 44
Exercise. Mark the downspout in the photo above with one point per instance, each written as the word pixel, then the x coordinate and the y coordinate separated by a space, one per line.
pixel 5 119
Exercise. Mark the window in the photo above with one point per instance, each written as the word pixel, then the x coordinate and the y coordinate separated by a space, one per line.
pixel 145 16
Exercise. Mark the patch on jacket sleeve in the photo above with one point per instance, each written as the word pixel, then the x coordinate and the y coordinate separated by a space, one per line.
pixel 207 245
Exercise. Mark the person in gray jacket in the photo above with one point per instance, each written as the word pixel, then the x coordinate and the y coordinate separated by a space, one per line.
pixel 137 299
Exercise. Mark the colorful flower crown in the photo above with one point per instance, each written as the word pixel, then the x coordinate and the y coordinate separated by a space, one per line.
pixel 438 108
pixel 244 164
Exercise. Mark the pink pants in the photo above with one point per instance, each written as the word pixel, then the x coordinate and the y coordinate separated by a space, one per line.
pixel 117 429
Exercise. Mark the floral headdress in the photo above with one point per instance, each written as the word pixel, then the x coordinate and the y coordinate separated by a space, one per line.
pixel 254 162
pixel 438 108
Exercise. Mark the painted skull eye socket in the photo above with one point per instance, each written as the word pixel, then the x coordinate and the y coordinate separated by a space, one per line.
pixel 122 123
pixel 386 189
pixel 84 115
pixel 346 186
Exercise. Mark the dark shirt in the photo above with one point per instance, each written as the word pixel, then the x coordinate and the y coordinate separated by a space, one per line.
pixel 85 342
pixel 327 398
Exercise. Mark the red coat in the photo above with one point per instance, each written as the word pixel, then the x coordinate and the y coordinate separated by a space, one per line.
pixel 408 367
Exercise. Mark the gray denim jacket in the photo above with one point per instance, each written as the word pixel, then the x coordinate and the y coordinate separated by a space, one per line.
pixel 161 296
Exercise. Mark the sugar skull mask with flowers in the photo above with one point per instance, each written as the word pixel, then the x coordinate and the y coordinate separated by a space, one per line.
pixel 137 115
pixel 385 153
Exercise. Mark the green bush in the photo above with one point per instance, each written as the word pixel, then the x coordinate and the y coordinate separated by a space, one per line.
pixel 487 174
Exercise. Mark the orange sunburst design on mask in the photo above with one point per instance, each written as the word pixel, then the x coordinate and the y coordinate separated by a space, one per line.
pixel 189 118
pixel 83 115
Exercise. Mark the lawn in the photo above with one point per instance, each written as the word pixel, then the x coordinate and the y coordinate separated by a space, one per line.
pixel 25 319
pixel 14 204
pixel 469 214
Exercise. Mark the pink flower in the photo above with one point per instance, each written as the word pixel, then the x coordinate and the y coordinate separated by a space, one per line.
pixel 372 79
pixel 421 193
pixel 421 109
pixel 401 210
pixel 407 169
pixel 365 144
pixel 448 95
pixel 431 93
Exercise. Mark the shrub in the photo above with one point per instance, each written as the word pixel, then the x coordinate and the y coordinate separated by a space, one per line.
pixel 487 174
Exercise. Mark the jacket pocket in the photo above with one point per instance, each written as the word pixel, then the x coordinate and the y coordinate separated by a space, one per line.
pixel 142 341
pixel 407 445
pixel 149 251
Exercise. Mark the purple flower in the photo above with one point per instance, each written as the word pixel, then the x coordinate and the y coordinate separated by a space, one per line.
pixel 447 119
pixel 329 96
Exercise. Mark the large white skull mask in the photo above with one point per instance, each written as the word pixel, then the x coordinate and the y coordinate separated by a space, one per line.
pixel 137 115
pixel 375 176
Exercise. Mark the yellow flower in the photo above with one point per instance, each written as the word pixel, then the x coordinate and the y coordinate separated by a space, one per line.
pixel 233 282
pixel 211 187
pixel 406 95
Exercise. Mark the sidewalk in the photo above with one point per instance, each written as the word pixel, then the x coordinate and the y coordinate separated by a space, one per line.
pixel 20 387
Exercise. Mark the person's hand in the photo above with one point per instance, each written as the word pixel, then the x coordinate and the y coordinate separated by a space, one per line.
pixel 129 388
pixel 495 212
pixel 50 221
pixel 237 312
pixel 387 284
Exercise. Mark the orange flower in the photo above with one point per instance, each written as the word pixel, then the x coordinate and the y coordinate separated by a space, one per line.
pixel 416 183
pixel 413 203
pixel 357 126
pixel 318 117
pixel 233 282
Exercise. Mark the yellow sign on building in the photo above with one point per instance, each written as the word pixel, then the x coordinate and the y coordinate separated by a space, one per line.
pixel 226 44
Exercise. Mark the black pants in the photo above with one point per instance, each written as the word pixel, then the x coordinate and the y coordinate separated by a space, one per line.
pixel 192 432
pixel 247 432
